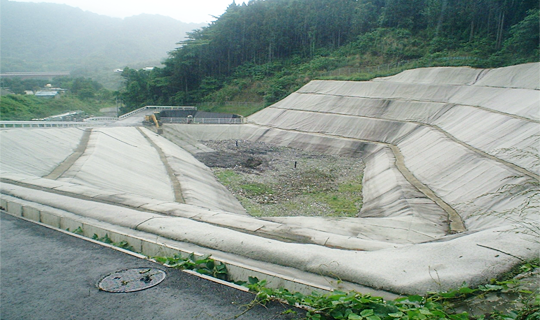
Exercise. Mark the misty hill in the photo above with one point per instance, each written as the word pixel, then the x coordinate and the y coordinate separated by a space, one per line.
pixel 56 37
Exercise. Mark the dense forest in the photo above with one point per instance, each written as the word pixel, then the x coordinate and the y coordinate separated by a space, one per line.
pixel 265 49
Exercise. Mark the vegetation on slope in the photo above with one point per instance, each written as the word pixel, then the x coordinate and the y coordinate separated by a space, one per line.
pixel 82 94
pixel 264 50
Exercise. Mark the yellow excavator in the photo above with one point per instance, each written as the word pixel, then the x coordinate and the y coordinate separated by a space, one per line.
pixel 153 119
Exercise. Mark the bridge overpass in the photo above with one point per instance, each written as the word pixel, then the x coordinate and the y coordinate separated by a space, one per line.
pixel 34 75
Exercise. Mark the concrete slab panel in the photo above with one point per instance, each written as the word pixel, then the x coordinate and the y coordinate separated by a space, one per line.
pixel 53 220
pixel 31 213
pixel 14 208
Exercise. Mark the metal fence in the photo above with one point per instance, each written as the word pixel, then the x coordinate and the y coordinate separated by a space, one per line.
pixel 42 124
pixel 156 108
pixel 100 119
pixel 203 120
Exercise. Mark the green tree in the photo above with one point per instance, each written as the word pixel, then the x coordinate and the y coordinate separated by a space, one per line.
pixel 524 37
pixel 271 42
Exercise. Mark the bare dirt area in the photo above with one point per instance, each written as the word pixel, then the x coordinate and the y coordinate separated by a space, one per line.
pixel 278 181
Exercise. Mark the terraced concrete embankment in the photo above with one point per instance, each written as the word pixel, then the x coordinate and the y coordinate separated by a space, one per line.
pixel 439 144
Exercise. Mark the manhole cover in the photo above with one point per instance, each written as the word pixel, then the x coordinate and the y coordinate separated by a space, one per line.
pixel 131 280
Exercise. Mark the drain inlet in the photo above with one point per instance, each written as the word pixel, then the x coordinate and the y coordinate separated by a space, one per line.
pixel 131 280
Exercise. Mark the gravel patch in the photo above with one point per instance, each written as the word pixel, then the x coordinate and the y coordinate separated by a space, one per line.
pixel 278 181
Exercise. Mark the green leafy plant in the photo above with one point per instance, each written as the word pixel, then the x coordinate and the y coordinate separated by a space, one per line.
pixel 122 244
pixel 203 265
pixel 436 305
pixel 78 231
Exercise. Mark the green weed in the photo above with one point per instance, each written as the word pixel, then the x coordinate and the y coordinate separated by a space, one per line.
pixel 227 177
pixel 122 244
pixel 203 265
pixel 354 305
pixel 256 189
pixel 78 231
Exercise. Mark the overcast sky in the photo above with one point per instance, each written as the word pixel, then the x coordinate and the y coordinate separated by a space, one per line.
pixel 183 10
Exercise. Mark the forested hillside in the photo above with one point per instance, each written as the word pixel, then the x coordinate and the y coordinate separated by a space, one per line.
pixel 263 50
pixel 57 37
pixel 81 94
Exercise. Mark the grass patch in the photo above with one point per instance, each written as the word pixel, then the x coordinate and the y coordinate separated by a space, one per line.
pixel 341 204
pixel 227 177
pixel 290 182
pixel 256 189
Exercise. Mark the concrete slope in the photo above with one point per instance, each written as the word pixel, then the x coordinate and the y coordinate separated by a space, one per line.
pixel 120 160
pixel 441 145
pixel 463 153
pixel 36 151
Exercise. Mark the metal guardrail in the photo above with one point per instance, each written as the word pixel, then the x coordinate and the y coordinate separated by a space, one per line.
pixel 108 121
pixel 129 114
pixel 42 124
pixel 100 119
pixel 203 120
pixel 171 107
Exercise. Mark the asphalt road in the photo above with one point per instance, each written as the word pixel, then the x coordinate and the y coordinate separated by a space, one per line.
pixel 47 274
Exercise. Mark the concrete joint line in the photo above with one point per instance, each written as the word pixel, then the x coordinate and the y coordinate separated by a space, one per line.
pixel 447 134
pixel 108 135
pixel 456 222
pixel 434 101
pixel 145 221
pixel 487 155
pixel 71 159
pixel 323 134
pixel 72 195
pixel 177 187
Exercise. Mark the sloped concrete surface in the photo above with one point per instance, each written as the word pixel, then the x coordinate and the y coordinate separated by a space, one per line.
pixel 439 145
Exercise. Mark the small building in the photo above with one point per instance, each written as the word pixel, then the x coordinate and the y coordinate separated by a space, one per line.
pixel 48 94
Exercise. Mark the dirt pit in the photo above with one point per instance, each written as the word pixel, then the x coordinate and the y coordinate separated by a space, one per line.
pixel 278 181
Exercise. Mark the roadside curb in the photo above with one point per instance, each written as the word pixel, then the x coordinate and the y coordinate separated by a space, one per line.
pixel 151 245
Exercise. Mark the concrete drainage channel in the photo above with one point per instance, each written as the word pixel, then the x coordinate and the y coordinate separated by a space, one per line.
pixel 149 245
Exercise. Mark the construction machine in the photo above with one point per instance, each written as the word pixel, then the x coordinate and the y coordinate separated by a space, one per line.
pixel 153 120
